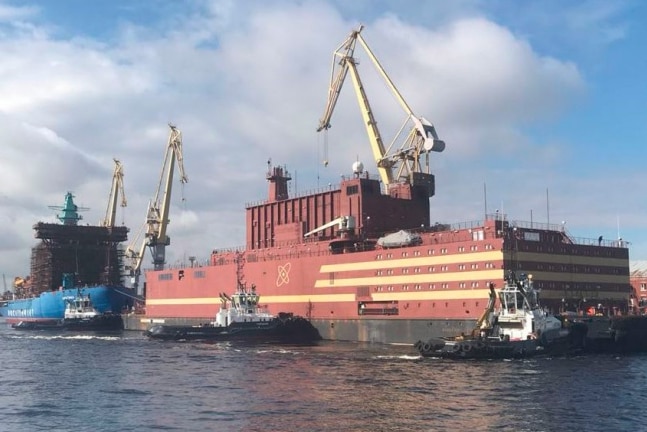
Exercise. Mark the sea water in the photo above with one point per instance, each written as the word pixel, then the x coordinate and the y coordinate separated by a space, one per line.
pixel 124 382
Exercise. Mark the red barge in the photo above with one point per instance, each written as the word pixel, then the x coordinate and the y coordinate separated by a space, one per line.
pixel 363 262
pixel 432 280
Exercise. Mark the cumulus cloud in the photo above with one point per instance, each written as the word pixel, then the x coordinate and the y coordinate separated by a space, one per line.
pixel 247 81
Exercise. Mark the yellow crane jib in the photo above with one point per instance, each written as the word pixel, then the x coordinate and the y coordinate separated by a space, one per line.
pixel 401 158
pixel 156 223
pixel 116 190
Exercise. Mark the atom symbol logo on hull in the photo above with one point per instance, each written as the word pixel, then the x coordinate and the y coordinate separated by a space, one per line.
pixel 284 275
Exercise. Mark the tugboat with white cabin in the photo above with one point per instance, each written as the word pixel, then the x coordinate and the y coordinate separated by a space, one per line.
pixel 242 318
pixel 80 314
pixel 519 328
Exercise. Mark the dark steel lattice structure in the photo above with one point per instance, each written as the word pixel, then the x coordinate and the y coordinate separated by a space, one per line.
pixel 92 253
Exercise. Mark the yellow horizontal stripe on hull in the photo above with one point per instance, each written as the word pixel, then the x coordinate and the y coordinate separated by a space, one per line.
pixel 569 259
pixel 433 295
pixel 183 301
pixel 436 295
pixel 415 261
pixel 320 298
pixel 585 294
pixel 483 275
pixel 579 278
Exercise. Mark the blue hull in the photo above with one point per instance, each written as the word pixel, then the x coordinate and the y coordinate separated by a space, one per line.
pixel 50 306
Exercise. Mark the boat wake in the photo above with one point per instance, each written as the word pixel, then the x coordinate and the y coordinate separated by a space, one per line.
pixel 65 337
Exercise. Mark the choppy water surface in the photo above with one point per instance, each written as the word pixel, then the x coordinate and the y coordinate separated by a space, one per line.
pixel 123 382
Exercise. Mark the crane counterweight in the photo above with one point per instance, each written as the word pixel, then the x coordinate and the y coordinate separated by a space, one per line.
pixel 395 162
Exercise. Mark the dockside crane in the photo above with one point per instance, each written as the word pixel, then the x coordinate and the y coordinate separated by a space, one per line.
pixel 395 162
pixel 156 224
pixel 116 191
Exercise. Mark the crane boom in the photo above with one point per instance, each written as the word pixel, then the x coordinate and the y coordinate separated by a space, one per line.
pixel 158 211
pixel 116 190
pixel 422 137
pixel 156 224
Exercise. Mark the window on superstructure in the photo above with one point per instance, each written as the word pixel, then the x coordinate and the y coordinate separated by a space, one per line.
pixel 352 190
pixel 432 286
pixel 461 285
pixel 461 249
pixel 461 266
pixel 405 254
pixel 389 255
pixel 199 274
pixel 643 287
pixel 405 271
pixel 405 288
pixel 416 253
pixel 431 252
pixel 165 276
pixel 443 251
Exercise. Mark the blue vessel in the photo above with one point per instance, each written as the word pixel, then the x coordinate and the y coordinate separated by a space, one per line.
pixel 69 261
pixel 50 306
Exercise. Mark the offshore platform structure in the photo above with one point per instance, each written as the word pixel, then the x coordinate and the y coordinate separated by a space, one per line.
pixel 90 252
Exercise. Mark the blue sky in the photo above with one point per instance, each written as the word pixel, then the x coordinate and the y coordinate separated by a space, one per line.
pixel 543 102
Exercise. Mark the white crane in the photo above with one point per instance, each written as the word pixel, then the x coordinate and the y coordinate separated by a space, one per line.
pixel 421 138
pixel 157 220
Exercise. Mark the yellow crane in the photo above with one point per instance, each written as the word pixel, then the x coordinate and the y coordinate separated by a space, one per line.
pixel 157 221
pixel 116 190
pixel 401 158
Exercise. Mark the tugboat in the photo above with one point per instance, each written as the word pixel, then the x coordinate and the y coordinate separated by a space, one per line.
pixel 241 318
pixel 80 314
pixel 520 328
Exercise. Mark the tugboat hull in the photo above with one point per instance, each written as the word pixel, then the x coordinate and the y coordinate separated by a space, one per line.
pixel 283 329
pixel 106 322
pixel 490 348
pixel 483 349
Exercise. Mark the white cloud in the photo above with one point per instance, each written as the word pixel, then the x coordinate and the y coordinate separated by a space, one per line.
pixel 248 81
pixel 13 13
